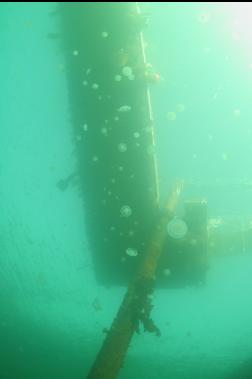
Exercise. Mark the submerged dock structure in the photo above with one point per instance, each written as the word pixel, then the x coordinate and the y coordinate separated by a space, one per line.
pixel 109 95
pixel 113 130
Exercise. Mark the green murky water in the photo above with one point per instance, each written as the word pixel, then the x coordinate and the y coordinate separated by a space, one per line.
pixel 52 310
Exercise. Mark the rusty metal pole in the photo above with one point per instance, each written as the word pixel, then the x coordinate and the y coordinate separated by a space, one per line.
pixel 112 353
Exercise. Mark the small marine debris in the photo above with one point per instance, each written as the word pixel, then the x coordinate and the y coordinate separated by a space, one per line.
pixel 63 184
pixel 171 116
pixel 224 156
pixel 95 158
pixel 151 150
pixel 85 83
pixel 61 67
pixel 96 305
pixel 177 228
pixel 88 71
pixel 210 137
pixel 138 21
pixel 95 86
pixel 104 34
pixel 85 127
pixel 141 309
pixel 53 13
pixel 180 108
pixel 53 36
pixel 122 147
pixel 41 280
pixel 124 108
pixel 148 129
pixel 206 50
pixel 237 112
pixel 131 252
pixel 204 17
pixel 150 74
pixel 28 24
pixel 195 156
pixel 126 211
pixel 75 53
pixel 104 131
pixel 167 272
pixel 236 36
pixel 136 134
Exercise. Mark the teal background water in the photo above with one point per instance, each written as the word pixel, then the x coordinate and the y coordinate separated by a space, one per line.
pixel 49 326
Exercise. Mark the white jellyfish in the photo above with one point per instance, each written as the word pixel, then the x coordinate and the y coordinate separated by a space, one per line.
pixel 126 211
pixel 177 228
pixel 104 34
pixel 136 135
pixel 131 252
pixel 118 78
pixel 131 77
pixel 167 272
pixel 104 131
pixel 127 71
pixel 124 108
pixel 122 147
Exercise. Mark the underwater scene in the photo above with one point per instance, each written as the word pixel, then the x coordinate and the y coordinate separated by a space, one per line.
pixel 126 190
